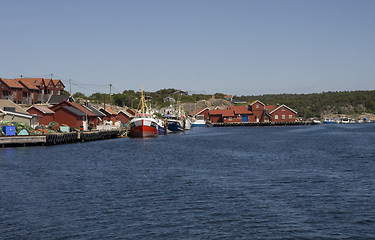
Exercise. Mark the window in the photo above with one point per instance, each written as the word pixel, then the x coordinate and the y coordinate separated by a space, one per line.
pixel 25 94
pixel 282 116
pixel 257 106
pixel 290 116
pixel 5 93
pixel 283 109
pixel 276 116
pixel 230 118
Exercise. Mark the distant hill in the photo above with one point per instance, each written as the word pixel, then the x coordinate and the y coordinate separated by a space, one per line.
pixel 316 105
pixel 322 104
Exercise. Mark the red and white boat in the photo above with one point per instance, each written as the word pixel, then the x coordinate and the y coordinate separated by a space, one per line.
pixel 143 125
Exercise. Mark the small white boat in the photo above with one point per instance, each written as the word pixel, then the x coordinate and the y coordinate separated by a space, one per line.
pixel 199 121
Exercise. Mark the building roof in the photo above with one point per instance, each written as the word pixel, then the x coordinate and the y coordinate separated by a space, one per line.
pixel 74 110
pixel 257 101
pixel 35 81
pixel 125 113
pixel 58 81
pixel 82 109
pixel 270 108
pixel 28 84
pixel 108 110
pixel 56 99
pixel 11 83
pixel 241 110
pixel 8 103
pixel 228 113
pixel 222 112
pixel 214 112
pixel 282 106
pixel 199 111
pixel 42 109
pixel 25 115
pixel 47 81
pixel 95 111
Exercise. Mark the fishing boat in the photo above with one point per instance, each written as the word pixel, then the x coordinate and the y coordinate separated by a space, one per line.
pixel 175 124
pixel 143 125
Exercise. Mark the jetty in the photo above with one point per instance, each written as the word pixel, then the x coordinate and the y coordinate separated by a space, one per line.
pixel 58 138
pixel 235 124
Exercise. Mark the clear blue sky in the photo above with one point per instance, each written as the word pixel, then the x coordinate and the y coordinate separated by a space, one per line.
pixel 241 47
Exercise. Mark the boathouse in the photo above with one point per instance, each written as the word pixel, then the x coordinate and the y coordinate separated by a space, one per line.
pixel 46 114
pixel 74 116
pixel 110 115
pixel 256 112
pixel 68 115
pixel 124 116
pixel 201 112
pixel 242 113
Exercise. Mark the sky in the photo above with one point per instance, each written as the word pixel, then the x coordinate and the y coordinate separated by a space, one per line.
pixel 238 47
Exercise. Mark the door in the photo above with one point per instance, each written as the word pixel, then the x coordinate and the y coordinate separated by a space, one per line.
pixel 244 118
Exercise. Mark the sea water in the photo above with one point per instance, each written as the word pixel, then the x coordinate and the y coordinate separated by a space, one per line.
pixel 292 182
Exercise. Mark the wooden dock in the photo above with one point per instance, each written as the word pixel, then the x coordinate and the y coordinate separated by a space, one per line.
pixel 237 124
pixel 57 138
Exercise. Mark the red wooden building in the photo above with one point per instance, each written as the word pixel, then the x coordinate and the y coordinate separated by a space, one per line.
pixel 201 112
pixel 282 113
pixel 73 116
pixel 254 112
pixel 110 115
pixel 124 116
pixel 46 114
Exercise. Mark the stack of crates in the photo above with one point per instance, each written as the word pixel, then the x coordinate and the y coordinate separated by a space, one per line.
pixel 9 130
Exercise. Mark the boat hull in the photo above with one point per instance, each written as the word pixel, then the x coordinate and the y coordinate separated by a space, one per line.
pixel 199 123
pixel 143 128
pixel 175 126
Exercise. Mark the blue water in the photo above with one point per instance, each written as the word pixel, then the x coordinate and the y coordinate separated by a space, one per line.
pixel 295 182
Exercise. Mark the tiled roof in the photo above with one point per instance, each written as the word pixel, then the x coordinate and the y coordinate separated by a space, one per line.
pixel 48 81
pixel 28 84
pixel 270 108
pixel 198 111
pixel 227 113
pixel 224 113
pixel 35 81
pixel 12 83
pixel 108 110
pixel 241 110
pixel 214 112
pixel 57 81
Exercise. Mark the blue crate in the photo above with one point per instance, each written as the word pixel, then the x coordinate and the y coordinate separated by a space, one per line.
pixel 9 130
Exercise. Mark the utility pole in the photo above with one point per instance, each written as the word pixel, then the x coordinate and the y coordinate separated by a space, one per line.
pixel 110 94
pixel 70 86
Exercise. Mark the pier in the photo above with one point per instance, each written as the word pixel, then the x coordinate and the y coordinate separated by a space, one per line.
pixel 57 138
pixel 235 124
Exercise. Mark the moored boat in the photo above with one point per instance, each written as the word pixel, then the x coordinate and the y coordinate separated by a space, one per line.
pixel 143 125
pixel 175 124
pixel 199 121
